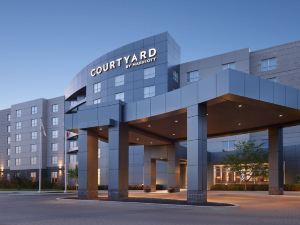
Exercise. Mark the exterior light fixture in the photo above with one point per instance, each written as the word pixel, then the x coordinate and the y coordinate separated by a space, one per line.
pixel 280 115
pixel 239 124
pixel 207 114
pixel 151 142
pixel 176 121
pixel 173 134
pixel 240 105
pixel 137 139
pixel 149 125
pixel 100 128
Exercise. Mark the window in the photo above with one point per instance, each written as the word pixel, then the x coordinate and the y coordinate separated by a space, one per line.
pixel 268 64
pixel 33 148
pixel 33 110
pixel 54 121
pixel 18 137
pixel 54 147
pixel 175 76
pixel 228 145
pixel 8 117
pixel 73 103
pixel 228 66
pixel 54 160
pixel 33 176
pixel 73 159
pixel 34 122
pixel 33 160
pixel 8 129
pixel 18 149
pixel 19 112
pixel 193 76
pixel 119 80
pixel 120 96
pixel 55 108
pixel 149 91
pixel 33 135
pixel 149 73
pixel 53 177
pixel 8 163
pixel 8 151
pixel 18 125
pixel 73 145
pixel 97 87
pixel 97 101
pixel 55 134
pixel 8 140
pixel 18 161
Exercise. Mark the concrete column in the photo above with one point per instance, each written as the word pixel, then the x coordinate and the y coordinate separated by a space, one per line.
pixel 118 162
pixel 87 165
pixel 149 170
pixel 173 169
pixel 210 176
pixel 197 153
pixel 275 161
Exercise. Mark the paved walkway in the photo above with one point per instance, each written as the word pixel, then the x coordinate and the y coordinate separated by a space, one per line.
pixel 45 209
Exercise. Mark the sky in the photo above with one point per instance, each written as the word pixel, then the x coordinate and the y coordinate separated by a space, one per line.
pixel 44 44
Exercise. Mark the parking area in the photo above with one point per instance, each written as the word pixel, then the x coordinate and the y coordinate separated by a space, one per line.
pixel 50 208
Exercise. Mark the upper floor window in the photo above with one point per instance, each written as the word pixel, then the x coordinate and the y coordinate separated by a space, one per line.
pixel 73 159
pixel 54 121
pixel 193 76
pixel 149 91
pixel 55 108
pixel 228 145
pixel 8 117
pixel 175 76
pixel 97 87
pixel 8 151
pixel 8 140
pixel 97 101
pixel 119 80
pixel 34 122
pixel 18 125
pixel 54 147
pixel 228 66
pixel 55 134
pixel 73 145
pixel 34 135
pixel 18 162
pixel 120 96
pixel 8 129
pixel 268 64
pixel 54 160
pixel 33 110
pixel 18 149
pixel 19 112
pixel 8 163
pixel 149 73
pixel 33 148
pixel 18 137
pixel 33 160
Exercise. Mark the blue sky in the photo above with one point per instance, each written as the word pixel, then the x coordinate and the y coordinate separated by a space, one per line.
pixel 43 44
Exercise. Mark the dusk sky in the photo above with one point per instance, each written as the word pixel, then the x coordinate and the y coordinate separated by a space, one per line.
pixel 43 44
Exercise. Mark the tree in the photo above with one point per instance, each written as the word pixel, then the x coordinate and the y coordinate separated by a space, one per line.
pixel 73 174
pixel 248 161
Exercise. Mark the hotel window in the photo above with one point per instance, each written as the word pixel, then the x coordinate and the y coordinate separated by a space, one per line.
pixel 120 96
pixel 55 108
pixel 228 145
pixel 18 137
pixel 18 149
pixel 8 129
pixel 55 134
pixel 33 176
pixel 33 135
pixel 19 112
pixel 18 161
pixel 8 151
pixel 97 87
pixel 73 159
pixel 8 140
pixel 54 121
pixel 193 76
pixel 8 117
pixel 53 177
pixel 33 160
pixel 175 76
pixel 33 148
pixel 73 145
pixel 97 101
pixel 54 160
pixel 149 91
pixel 268 64
pixel 54 147
pixel 34 122
pixel 228 66
pixel 18 125
pixel 119 80
pixel 149 73
pixel 8 163
pixel 33 110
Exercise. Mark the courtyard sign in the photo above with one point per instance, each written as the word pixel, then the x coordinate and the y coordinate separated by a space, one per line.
pixel 143 57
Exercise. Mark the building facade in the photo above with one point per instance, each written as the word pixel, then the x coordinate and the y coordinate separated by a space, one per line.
pixel 142 96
